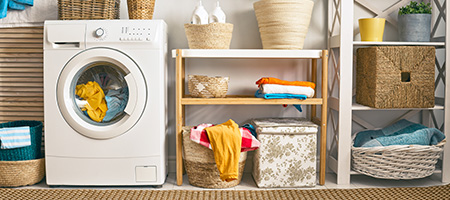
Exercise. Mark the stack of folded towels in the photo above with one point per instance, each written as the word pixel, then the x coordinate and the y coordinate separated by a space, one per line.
pixel 14 5
pixel 273 88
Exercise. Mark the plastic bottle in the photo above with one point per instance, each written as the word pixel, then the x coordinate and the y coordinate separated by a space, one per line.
pixel 217 15
pixel 200 15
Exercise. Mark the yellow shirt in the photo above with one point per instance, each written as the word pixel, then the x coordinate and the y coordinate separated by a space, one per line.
pixel 226 140
pixel 93 93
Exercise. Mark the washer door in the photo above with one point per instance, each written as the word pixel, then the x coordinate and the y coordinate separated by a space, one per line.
pixel 106 78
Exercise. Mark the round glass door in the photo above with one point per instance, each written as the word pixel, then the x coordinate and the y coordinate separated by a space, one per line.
pixel 101 93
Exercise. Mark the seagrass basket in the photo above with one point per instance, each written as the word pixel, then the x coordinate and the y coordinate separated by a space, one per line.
pixel 201 167
pixel 209 36
pixel 207 87
pixel 88 9
pixel 141 9
pixel 283 24
pixel 397 161
pixel 21 173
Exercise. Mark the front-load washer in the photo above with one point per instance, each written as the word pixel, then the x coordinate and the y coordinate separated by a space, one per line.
pixel 105 102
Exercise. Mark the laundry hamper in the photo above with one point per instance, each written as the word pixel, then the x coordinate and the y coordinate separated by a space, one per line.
pixel 24 153
pixel 21 173
pixel 209 36
pixel 88 9
pixel 201 167
pixel 397 161
pixel 207 87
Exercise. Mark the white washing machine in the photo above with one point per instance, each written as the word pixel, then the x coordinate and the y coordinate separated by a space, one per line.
pixel 127 59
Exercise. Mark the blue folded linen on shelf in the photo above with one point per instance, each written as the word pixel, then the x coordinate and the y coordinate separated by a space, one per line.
pixel 402 132
pixel 25 2
pixel 15 137
pixel 3 8
pixel 15 6
pixel 259 94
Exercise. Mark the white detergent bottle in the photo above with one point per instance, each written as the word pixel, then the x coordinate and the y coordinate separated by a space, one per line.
pixel 200 15
pixel 217 15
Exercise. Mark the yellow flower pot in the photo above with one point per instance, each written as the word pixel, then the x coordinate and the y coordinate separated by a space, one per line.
pixel 372 29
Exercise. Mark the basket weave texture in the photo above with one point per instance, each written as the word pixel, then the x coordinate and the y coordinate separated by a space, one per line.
pixel 395 76
pixel 209 36
pixel 24 153
pixel 283 24
pixel 88 9
pixel 207 87
pixel 21 173
pixel 397 161
pixel 141 9
pixel 201 167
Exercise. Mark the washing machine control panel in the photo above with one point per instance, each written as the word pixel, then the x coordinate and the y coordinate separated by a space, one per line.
pixel 122 32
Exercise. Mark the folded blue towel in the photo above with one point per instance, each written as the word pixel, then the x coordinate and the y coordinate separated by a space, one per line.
pixel 15 137
pixel 3 8
pixel 402 132
pixel 26 2
pixel 259 94
pixel 15 6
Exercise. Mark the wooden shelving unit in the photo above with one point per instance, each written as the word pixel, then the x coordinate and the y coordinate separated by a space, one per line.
pixel 183 100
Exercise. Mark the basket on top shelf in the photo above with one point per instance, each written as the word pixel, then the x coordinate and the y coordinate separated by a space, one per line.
pixel 207 87
pixel 25 165
pixel 88 9
pixel 209 36
pixel 141 9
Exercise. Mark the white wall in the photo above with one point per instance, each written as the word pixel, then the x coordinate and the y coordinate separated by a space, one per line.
pixel 243 73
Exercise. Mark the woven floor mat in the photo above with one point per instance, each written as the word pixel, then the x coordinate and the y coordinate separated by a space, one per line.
pixel 434 192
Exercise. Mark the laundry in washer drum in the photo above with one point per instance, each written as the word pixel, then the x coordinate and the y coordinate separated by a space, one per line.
pixel 102 93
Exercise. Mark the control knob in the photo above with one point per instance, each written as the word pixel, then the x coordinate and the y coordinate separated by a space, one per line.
pixel 100 32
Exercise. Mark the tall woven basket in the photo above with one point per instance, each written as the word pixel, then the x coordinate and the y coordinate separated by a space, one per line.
pixel 201 167
pixel 88 9
pixel 283 24
pixel 397 161
pixel 141 9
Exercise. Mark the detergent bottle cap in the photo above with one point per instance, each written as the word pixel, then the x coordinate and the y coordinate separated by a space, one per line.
pixel 217 15
pixel 200 16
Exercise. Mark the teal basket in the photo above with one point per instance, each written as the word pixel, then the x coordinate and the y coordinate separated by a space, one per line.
pixel 24 153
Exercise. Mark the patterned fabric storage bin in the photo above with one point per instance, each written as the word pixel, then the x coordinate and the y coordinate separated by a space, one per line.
pixel 287 155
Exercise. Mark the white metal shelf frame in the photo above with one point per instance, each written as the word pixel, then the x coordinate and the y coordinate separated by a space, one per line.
pixel 341 46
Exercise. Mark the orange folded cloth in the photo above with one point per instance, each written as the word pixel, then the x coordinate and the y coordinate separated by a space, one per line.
pixel 271 80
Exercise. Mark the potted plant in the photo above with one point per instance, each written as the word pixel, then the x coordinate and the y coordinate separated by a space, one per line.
pixel 414 22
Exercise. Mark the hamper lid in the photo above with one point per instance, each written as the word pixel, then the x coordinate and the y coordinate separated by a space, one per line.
pixel 284 126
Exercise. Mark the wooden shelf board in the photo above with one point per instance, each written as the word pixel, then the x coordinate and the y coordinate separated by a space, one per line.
pixel 248 53
pixel 246 100
pixel 395 43
pixel 356 106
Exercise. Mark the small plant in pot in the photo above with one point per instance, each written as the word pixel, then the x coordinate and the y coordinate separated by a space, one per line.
pixel 414 22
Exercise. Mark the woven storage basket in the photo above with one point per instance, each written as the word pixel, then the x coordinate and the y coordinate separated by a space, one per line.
pixel 395 76
pixel 397 161
pixel 207 87
pixel 141 9
pixel 24 153
pixel 88 9
pixel 201 167
pixel 209 36
pixel 21 173
pixel 283 24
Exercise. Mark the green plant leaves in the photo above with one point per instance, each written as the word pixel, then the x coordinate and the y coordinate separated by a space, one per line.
pixel 415 8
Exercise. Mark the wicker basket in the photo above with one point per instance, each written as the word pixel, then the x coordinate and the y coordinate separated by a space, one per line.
pixel 21 173
pixel 201 167
pixel 397 161
pixel 88 9
pixel 207 87
pixel 283 24
pixel 141 9
pixel 209 36
pixel 24 153
pixel 396 76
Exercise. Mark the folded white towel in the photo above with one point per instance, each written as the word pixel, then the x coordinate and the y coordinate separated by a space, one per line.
pixel 289 89
pixel 15 137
